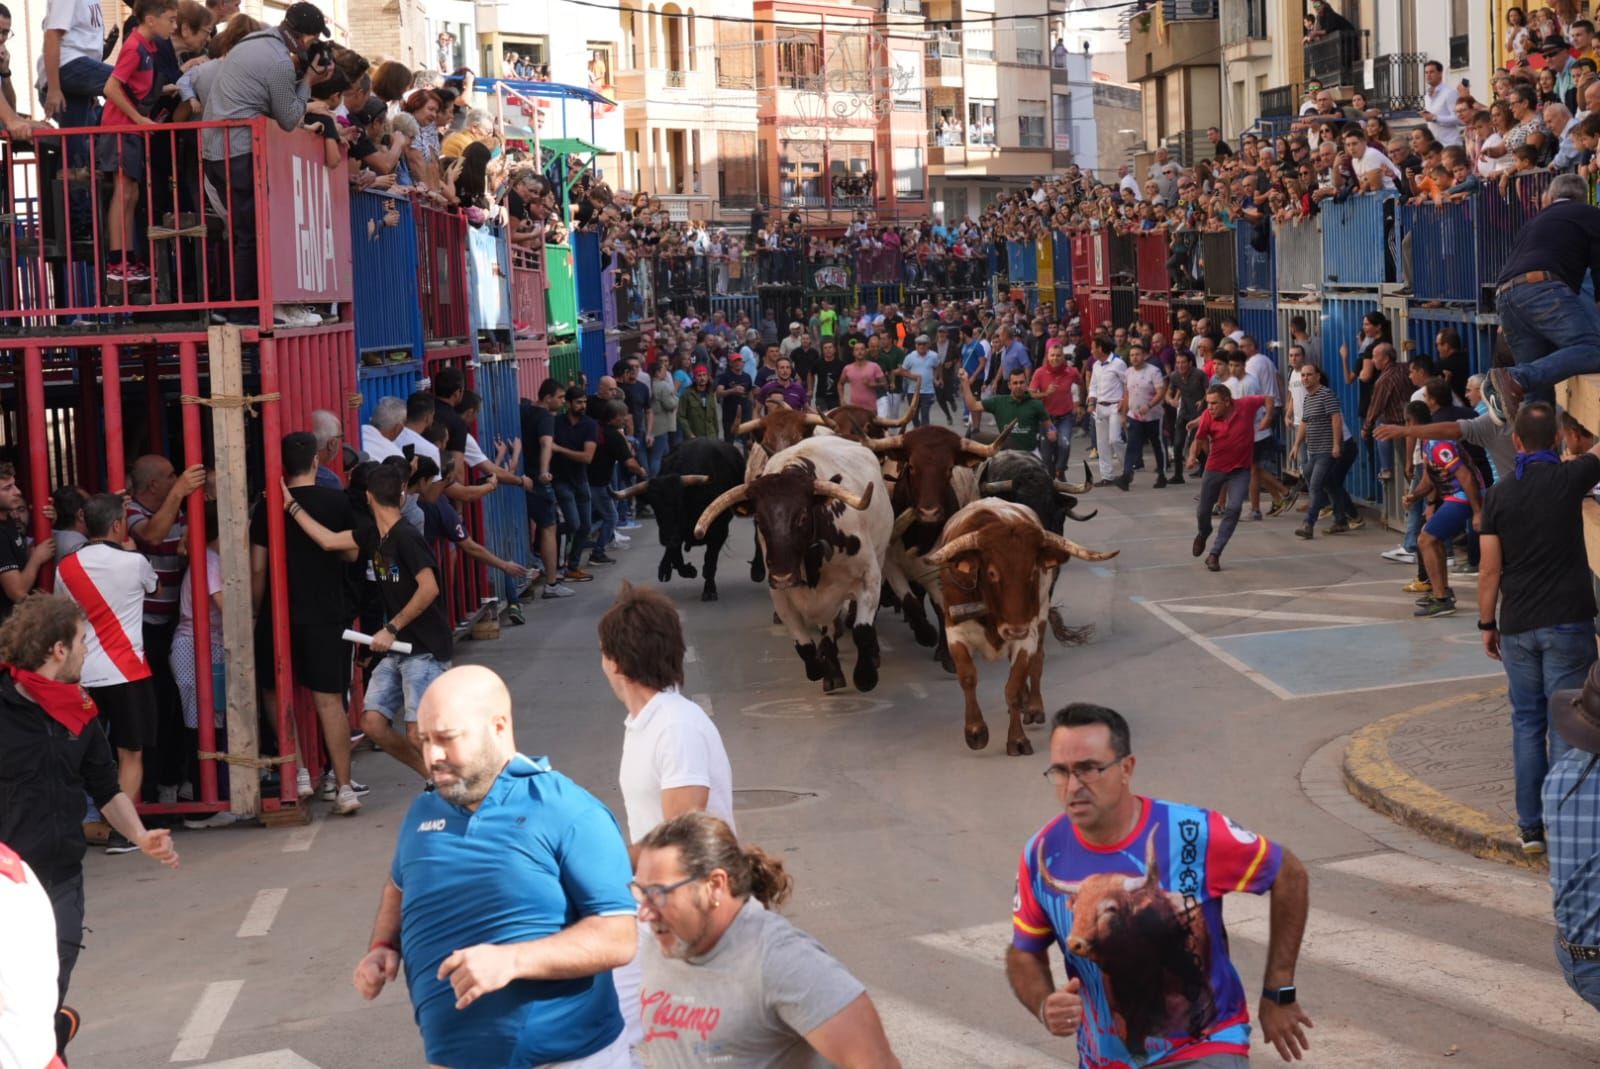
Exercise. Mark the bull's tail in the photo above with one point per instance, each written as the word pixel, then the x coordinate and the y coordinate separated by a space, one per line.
pixel 1069 636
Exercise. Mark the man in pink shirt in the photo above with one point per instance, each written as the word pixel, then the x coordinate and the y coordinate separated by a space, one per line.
pixel 1056 383
pixel 861 380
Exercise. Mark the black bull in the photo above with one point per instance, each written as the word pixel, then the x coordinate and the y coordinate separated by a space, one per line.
pixel 692 476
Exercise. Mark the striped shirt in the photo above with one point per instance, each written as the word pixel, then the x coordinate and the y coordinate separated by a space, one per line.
pixel 1317 412
pixel 111 585
pixel 1572 819
pixel 160 607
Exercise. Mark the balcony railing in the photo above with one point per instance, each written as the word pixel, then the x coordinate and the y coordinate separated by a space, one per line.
pixel 903 7
pixel 1033 57
pixel 943 67
pixel 945 47
pixel 809 82
pixel 677 79
pixel 1278 101
pixel 1460 52
pixel 1184 10
pixel 1334 59
pixel 1397 81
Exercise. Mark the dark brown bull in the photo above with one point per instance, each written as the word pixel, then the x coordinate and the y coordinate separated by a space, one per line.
pixel 1151 945
pixel 997 566
pixel 859 424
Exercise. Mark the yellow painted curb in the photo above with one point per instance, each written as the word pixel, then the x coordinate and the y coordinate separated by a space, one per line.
pixel 1372 776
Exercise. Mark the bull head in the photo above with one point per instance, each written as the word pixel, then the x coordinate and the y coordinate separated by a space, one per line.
pixel 972 542
pixel 644 484
pixel 1151 877
pixel 738 495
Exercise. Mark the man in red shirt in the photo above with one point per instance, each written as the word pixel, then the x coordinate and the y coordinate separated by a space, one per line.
pixel 1056 384
pixel 1230 427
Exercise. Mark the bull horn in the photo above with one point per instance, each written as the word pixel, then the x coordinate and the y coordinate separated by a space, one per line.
pixel 692 480
pixel 978 449
pixel 884 445
pixel 954 548
pixel 778 402
pixel 814 419
pixel 1060 887
pixel 1063 487
pixel 911 410
pixel 1072 549
pixel 824 488
pixel 632 491
pixel 903 522
pixel 999 486
pixel 748 427
pixel 724 501
pixel 1082 519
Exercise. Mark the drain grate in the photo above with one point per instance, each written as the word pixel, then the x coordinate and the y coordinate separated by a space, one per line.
pixel 746 801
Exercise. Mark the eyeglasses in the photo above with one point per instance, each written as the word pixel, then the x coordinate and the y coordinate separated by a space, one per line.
pixel 656 894
pixel 1086 772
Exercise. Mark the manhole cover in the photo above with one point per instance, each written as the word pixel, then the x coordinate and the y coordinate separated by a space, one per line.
pixel 810 708
pixel 744 801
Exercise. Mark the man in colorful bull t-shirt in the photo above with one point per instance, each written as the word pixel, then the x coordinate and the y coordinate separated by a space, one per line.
pixel 1130 888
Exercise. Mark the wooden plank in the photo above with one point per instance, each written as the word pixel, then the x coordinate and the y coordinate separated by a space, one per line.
pixel 228 434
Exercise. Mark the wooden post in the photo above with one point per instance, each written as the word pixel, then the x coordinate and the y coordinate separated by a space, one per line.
pixel 228 434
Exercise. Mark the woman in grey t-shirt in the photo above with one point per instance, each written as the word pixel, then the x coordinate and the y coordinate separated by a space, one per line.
pixel 726 980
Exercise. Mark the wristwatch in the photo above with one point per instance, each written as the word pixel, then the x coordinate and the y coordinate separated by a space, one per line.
pixel 1490 626
pixel 389 627
pixel 1283 996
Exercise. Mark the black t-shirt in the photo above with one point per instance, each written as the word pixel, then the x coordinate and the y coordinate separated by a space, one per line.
pixel 394 561
pixel 828 382
pixel 733 404
pixel 537 422
pixel 805 362
pixel 1563 239
pixel 453 423
pixel 13 557
pixel 326 125
pixel 1539 520
pixel 574 436
pixel 320 591
pixel 637 396
pixel 612 450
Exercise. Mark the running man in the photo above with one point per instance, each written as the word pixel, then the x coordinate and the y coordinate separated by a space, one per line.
pixel 1229 425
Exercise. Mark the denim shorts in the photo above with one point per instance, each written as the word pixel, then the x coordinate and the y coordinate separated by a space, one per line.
pixel 1450 520
pixel 399 683
pixel 542 505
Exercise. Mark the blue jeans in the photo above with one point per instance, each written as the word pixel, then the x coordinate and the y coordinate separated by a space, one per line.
pixel 1414 517
pixel 925 404
pixel 1582 976
pixel 1324 474
pixel 399 682
pixel 1142 432
pixel 572 498
pixel 1057 453
pixel 82 82
pixel 1553 332
pixel 602 517
pixel 1237 483
pixel 658 452
pixel 1538 663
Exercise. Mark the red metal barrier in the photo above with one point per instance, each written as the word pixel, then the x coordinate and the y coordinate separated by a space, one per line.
pixel 533 367
pixel 1150 258
pixel 1158 314
pixel 527 291
pixel 442 274
pixel 1096 312
pixel 1083 261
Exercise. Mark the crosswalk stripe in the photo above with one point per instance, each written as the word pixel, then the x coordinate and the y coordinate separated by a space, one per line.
pixel 1270 614
pixel 930 1040
pixel 1506 892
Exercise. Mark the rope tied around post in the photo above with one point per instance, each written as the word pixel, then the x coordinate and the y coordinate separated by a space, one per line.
pixel 246 401
pixel 245 761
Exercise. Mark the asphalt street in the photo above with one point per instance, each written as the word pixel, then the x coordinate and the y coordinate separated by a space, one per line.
pixel 1240 687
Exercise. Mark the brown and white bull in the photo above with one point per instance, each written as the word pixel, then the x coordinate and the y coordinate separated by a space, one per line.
pixel 997 566
pixel 774 431
pixel 823 523
pixel 859 423
pixel 1151 945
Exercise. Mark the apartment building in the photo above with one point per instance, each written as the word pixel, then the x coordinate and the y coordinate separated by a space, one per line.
pixel 1174 55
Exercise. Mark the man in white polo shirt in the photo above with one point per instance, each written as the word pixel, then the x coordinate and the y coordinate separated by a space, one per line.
pixel 110 585
pixel 672 756
pixel 378 436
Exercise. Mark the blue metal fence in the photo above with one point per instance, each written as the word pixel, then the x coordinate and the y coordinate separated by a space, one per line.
pixel 730 307
pixel 383 254
pixel 1341 323
pixel 489 278
pixel 1255 266
pixel 1062 260
pixel 586 267
pixel 1442 250
pixel 592 351
pixel 1022 263
pixel 1356 249
pixel 393 379
pixel 1258 318
pixel 505 512
pixel 1299 257
pixel 1477 332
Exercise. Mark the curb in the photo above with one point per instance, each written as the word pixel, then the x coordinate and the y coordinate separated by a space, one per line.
pixel 1372 776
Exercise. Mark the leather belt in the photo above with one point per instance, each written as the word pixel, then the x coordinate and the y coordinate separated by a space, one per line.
pixel 1580 953
pixel 1527 278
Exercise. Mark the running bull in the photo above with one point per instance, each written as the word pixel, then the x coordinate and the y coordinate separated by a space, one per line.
pixel 691 477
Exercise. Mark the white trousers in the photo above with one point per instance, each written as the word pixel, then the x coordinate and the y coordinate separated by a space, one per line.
pixel 1108 440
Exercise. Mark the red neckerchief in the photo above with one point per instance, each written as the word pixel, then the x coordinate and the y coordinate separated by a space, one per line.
pixel 68 704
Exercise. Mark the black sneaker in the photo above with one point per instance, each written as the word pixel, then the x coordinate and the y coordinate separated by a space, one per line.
pixel 1304 532
pixel 1199 546
pixel 1213 563
pixel 1161 482
pixel 1532 840
pixel 601 558
pixel 1338 528
pixel 1123 482
pixel 119 844
pixel 1437 607
pixel 1176 480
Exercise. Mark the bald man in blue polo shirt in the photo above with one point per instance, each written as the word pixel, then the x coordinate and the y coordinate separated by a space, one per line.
pixel 507 900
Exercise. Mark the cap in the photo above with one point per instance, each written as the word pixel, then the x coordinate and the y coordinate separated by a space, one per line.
pixel 698 368
pixel 306 18
pixel 1576 713
pixel 1554 44
pixel 373 110
pixel 795 326
pixel 736 356
pixel 923 339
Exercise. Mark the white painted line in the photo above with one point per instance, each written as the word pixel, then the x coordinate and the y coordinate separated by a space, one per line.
pixel 1277 589
pixel 300 840
pixel 689 655
pixel 930 1040
pixel 1395 686
pixel 917 690
pixel 205 1020
pixel 704 702
pixel 1217 651
pixel 1235 561
pixel 1328 595
pixel 272 1059
pixel 1503 890
pixel 1270 614
pixel 263 911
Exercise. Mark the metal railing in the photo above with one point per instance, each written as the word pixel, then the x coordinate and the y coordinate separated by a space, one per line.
pixel 1279 101
pixel 677 79
pixel 1334 59
pixel 1397 81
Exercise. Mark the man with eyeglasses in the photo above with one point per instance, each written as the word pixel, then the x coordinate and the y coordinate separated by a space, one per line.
pixel 1130 889
pixel 507 899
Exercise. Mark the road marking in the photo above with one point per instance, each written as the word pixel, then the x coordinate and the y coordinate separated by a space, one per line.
pixel 1278 589
pixel 917 690
pixel 300 840
pixel 689 655
pixel 205 1020
pixel 704 702
pixel 1271 614
pixel 272 1059
pixel 930 1040
pixel 1502 890
pixel 1216 651
pixel 1236 561
pixel 1101 571
pixel 263 911
pixel 1329 595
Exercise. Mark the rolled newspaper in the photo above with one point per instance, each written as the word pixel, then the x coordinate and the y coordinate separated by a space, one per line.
pixel 366 640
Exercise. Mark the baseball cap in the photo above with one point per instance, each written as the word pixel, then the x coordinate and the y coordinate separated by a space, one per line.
pixel 795 326
pixel 923 339
pixel 736 358
pixel 373 110
pixel 306 18
pixel 698 368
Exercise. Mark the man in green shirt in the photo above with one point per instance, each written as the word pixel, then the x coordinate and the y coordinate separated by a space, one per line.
pixel 828 321
pixel 1018 406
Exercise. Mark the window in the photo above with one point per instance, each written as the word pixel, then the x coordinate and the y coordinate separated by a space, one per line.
pixel 736 55
pixel 906 82
pixel 848 68
pixel 736 168
pixel 980 41
pixel 1030 123
pixel 600 67
pixel 908 179
pixel 848 160
pixel 518 57
pixel 1030 41
pixel 955 205
pixel 800 174
pixel 799 61
pixel 980 122
pixel 1061 127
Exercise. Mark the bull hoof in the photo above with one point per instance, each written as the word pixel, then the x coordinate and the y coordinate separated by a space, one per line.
pixel 688 571
pixel 978 737
pixel 709 593
pixel 832 683
pixel 865 677
pixel 1033 716
pixel 1018 747
pixel 946 662
pixel 808 657
pixel 664 572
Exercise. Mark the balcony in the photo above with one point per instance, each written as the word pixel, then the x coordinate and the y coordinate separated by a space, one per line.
pixel 902 7
pixel 677 79
pixel 953 154
pixel 682 207
pixel 1397 81
pixel 811 83
pixel 1186 10
pixel 1279 101
pixel 1157 44
pixel 1460 52
pixel 942 71
pixel 1032 57
pixel 1334 59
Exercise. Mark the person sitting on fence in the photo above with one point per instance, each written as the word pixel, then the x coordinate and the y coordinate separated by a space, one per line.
pixel 132 92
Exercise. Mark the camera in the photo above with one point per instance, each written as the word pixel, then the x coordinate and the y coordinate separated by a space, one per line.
pixel 319 56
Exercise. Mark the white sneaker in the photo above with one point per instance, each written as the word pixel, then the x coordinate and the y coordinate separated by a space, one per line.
pixel 167 795
pixel 328 787
pixel 346 803
pixel 1400 555
pixel 621 539
pixel 557 590
pixel 295 315
pixel 215 820
pixel 186 792
pixel 303 784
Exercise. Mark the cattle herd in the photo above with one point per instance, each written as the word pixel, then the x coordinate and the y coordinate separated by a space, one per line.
pixel 852 512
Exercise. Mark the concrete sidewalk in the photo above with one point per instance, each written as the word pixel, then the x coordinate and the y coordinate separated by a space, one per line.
pixel 1444 769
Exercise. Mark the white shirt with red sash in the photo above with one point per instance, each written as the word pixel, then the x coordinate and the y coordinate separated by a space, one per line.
pixel 110 584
